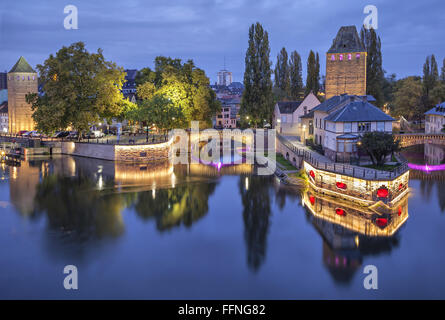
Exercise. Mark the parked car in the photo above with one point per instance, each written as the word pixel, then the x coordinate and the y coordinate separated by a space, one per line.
pixel 21 133
pixel 73 135
pixel 28 133
pixel 110 131
pixel 62 134
pixel 35 134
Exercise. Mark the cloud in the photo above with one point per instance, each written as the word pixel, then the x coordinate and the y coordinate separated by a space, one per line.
pixel 133 32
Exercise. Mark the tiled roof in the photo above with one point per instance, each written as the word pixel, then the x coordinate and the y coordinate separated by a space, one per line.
pixel 288 106
pixel 358 111
pixel 22 66
pixel 131 74
pixel 347 40
pixel 438 110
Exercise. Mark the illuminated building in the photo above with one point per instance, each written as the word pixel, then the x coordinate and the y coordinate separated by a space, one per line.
pixel 350 231
pixel 346 64
pixel 363 190
pixel 22 79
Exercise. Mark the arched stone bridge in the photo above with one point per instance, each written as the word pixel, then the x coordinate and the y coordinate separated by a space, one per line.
pixel 411 139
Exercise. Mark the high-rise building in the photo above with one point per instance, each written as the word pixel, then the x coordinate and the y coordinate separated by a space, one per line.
pixel 22 79
pixel 346 64
pixel 224 78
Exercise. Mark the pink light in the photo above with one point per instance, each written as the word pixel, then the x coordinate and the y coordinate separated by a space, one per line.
pixel 426 167
pixel 219 165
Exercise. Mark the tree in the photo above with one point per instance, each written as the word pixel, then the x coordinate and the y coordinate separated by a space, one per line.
pixel 438 94
pixel 257 100
pixel 374 66
pixel 282 72
pixel 407 98
pixel 313 74
pixel 187 87
pixel 296 79
pixel 80 89
pixel 430 80
pixel 442 72
pixel 379 145
pixel 159 111
pixel 430 74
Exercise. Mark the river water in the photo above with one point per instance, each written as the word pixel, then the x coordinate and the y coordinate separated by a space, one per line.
pixel 196 232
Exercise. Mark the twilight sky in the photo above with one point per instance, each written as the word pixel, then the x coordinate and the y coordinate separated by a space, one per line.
pixel 133 32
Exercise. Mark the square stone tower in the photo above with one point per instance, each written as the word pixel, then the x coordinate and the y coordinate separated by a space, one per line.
pixel 22 79
pixel 346 64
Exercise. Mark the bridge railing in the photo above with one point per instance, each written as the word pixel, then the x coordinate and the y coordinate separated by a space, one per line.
pixel 345 169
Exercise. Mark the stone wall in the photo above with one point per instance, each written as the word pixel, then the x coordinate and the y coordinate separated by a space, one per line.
pixel 142 153
pixel 127 153
pixel 91 150
pixel 345 76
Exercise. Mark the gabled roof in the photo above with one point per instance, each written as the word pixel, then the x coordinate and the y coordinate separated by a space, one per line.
pixel 347 40
pixel 438 110
pixel 358 111
pixel 22 66
pixel 288 106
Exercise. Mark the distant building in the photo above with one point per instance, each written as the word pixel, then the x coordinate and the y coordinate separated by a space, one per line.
pixel 224 78
pixel 229 115
pixel 286 117
pixel 341 120
pixel 22 79
pixel 346 64
pixel 3 80
pixel 129 87
pixel 4 125
pixel 435 119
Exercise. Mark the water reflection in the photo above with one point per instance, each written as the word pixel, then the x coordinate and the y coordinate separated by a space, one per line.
pixel 255 196
pixel 351 232
pixel 428 167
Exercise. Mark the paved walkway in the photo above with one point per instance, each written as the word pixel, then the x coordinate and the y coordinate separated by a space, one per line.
pixel 315 155
pixel 321 162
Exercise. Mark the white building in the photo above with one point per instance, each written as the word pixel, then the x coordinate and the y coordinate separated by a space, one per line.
pixel 341 120
pixel 435 119
pixel 4 117
pixel 224 78
pixel 287 115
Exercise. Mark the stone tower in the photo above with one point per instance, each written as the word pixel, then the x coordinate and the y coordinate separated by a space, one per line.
pixel 22 79
pixel 346 64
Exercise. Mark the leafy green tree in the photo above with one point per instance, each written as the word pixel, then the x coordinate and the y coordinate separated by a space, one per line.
pixel 282 72
pixel 430 74
pixel 313 74
pixel 296 79
pixel 407 98
pixel 80 89
pixel 379 145
pixel 438 94
pixel 257 100
pixel 374 67
pixel 184 84
pixel 442 72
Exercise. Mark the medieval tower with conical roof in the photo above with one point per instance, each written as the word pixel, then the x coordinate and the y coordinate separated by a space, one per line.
pixel 22 79
pixel 346 64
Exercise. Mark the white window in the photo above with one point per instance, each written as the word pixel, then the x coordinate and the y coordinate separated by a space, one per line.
pixel 347 127
pixel 380 126
pixel 283 119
